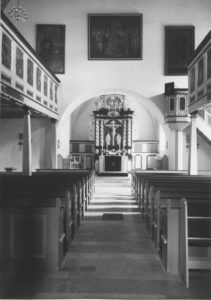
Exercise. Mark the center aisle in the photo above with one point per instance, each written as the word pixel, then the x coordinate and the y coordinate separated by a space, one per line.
pixel 112 255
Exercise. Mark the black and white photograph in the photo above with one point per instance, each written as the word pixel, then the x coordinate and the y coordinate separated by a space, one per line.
pixel 105 149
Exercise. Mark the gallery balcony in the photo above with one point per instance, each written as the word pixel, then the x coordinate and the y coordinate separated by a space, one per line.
pixel 199 76
pixel 25 81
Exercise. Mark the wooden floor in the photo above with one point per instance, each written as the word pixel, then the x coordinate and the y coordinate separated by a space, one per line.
pixel 111 257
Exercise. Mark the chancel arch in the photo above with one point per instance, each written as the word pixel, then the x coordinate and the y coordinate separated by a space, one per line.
pixel 78 122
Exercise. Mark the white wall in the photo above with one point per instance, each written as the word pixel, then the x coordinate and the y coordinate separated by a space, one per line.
pixel 145 77
pixel 203 153
pixel 11 155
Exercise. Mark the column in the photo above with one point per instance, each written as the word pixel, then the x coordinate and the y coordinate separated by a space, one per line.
pixel 27 146
pixel 97 140
pixel 53 145
pixel 192 166
pixel 101 135
pixel 124 135
pixel 0 47
pixel 130 133
pixel 179 150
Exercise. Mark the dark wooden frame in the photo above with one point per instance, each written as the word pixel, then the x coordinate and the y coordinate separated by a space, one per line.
pixel 50 46
pixel 114 33
pixel 179 48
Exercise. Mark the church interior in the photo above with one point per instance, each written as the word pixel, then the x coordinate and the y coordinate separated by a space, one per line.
pixel 105 145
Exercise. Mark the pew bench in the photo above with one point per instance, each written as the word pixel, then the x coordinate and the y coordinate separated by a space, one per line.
pixel 60 179
pixel 86 176
pixel 146 201
pixel 42 212
pixel 182 243
pixel 185 236
pixel 138 177
pixel 34 237
pixel 175 190
pixel 159 203
pixel 32 190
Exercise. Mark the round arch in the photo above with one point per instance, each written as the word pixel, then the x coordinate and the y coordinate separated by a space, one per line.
pixel 131 95
pixel 138 99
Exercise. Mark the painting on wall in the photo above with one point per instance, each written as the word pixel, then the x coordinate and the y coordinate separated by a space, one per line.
pixel 179 48
pixel 115 36
pixel 50 45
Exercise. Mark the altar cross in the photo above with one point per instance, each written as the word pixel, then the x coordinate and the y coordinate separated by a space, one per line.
pixel 113 125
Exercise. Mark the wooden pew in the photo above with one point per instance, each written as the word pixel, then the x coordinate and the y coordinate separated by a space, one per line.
pixel 36 188
pixel 182 245
pixel 80 177
pixel 164 181
pixel 169 235
pixel 195 242
pixel 172 189
pixel 143 179
pixel 31 198
pixel 88 176
pixel 55 200
pixel 84 180
pixel 140 179
pixel 186 236
pixel 159 192
pixel 139 175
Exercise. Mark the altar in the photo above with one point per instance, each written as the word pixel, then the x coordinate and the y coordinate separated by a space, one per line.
pixel 112 163
pixel 113 134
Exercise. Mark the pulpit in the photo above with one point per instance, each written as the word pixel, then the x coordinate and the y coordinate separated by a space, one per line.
pixel 113 133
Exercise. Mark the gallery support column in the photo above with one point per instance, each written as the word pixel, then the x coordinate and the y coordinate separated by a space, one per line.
pixel 27 145
pixel 192 166
pixel 53 145
pixel 179 150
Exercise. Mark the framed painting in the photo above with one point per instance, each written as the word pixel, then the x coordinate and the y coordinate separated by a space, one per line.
pixel 115 36
pixel 50 46
pixel 179 47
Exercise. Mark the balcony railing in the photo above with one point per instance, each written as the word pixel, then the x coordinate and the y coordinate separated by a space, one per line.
pixel 199 76
pixel 24 78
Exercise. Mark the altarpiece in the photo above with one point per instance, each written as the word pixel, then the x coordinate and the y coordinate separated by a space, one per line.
pixel 113 133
